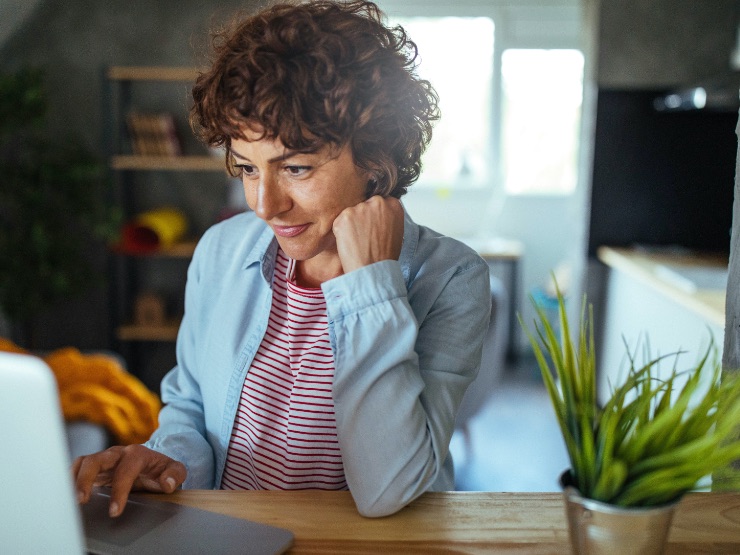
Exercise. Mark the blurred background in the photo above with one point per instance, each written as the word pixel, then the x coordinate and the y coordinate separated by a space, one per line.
pixel 568 126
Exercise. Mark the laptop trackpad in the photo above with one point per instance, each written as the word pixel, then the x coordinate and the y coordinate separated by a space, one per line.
pixel 152 526
pixel 137 519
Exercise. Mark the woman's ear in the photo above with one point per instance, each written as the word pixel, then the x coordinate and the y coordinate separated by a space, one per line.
pixel 372 186
pixel 380 180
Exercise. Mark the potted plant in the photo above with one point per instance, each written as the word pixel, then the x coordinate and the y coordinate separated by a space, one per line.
pixel 53 207
pixel 634 456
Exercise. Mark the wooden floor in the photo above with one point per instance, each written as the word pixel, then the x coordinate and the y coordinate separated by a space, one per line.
pixel 516 442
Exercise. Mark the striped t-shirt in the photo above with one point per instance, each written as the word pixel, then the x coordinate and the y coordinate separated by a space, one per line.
pixel 284 434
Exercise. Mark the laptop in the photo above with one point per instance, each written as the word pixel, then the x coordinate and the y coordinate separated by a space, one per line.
pixel 38 510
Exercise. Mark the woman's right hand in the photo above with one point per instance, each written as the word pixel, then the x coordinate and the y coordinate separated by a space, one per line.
pixel 133 467
pixel 369 232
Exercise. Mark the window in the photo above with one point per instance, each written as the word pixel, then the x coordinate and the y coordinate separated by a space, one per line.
pixel 540 120
pixel 511 111
pixel 460 67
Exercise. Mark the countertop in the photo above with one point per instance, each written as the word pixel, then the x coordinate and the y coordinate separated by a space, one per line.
pixel 456 522
pixel 698 281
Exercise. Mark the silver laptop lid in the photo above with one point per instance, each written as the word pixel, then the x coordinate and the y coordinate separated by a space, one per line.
pixel 38 511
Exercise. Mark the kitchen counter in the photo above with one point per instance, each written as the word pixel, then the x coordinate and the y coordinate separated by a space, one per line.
pixel 455 522
pixel 659 302
pixel 694 280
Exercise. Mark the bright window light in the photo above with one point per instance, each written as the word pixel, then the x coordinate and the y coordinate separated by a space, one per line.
pixel 456 56
pixel 541 115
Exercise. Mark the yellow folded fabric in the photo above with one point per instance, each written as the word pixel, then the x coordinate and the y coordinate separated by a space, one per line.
pixel 10 347
pixel 97 389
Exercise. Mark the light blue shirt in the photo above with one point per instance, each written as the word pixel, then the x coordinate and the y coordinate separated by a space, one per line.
pixel 406 337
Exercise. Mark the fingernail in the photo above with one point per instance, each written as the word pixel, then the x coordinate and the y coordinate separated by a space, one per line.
pixel 171 483
pixel 113 509
pixel 80 496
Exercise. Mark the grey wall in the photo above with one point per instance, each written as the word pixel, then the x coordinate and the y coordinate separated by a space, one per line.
pixel 12 15
pixel 664 43
pixel 73 41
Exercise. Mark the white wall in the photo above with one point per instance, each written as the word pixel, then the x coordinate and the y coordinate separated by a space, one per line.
pixel 551 229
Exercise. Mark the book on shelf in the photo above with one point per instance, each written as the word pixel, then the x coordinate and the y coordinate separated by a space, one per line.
pixel 153 134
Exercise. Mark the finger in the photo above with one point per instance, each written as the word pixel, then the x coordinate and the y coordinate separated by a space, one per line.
pixel 76 466
pixel 173 476
pixel 164 476
pixel 393 206
pixel 103 479
pixel 88 470
pixel 390 202
pixel 75 469
pixel 130 466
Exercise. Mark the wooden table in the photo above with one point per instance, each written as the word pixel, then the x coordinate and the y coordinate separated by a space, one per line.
pixel 457 522
pixel 495 250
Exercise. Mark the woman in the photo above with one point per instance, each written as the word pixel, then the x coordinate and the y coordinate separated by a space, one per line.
pixel 327 339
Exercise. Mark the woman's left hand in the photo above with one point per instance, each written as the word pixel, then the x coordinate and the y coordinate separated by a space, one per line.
pixel 369 232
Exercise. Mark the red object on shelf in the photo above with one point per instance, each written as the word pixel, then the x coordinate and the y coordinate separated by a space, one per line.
pixel 138 239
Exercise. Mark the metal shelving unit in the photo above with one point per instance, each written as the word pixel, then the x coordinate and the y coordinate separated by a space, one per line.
pixel 126 166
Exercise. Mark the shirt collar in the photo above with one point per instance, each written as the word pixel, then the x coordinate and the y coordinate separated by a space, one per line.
pixel 408 249
pixel 264 252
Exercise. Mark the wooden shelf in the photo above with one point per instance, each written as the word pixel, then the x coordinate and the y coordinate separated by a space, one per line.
pixel 138 73
pixel 165 332
pixel 168 163
pixel 183 249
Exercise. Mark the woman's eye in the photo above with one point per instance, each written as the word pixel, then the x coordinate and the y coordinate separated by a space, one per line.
pixel 297 171
pixel 247 170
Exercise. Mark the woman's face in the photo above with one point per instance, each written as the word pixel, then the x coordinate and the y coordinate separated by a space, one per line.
pixel 299 194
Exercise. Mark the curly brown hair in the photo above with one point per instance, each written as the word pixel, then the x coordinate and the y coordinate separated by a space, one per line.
pixel 321 73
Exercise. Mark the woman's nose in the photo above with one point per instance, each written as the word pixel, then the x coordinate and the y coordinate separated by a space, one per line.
pixel 270 199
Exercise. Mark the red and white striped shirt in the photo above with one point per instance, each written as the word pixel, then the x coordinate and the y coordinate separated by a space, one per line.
pixel 284 434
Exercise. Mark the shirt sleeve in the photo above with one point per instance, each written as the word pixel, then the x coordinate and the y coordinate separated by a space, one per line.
pixel 181 432
pixel 400 378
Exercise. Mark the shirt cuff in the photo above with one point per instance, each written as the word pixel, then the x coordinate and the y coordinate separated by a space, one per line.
pixel 364 287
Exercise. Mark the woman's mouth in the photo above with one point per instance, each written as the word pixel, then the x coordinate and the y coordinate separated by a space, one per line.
pixel 289 230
